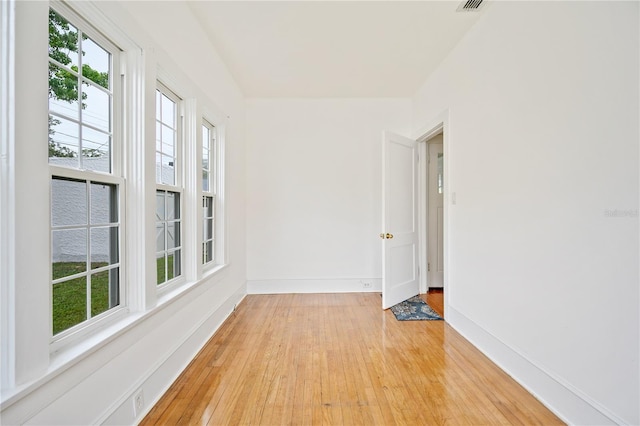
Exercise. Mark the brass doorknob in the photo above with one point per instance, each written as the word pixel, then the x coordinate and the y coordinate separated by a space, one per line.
pixel 389 236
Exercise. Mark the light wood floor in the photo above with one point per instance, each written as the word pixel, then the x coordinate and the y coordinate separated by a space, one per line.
pixel 340 359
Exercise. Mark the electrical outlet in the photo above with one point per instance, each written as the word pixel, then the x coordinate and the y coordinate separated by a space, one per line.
pixel 366 284
pixel 138 403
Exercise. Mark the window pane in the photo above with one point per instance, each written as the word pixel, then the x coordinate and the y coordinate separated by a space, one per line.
pixel 205 229
pixel 205 159
pixel 208 251
pixel 168 140
pixel 173 235
pixel 63 92
pixel 96 107
pixel 160 205
pixel 68 252
pixel 158 167
pixel 205 180
pixel 206 207
pixel 208 229
pixel 173 265
pixel 158 136
pixel 104 246
pixel 96 147
pixel 68 202
pixel 207 214
pixel 105 291
pixel 161 268
pixel 160 237
pixel 173 205
pixel 209 206
pixel 63 142
pixel 167 170
pixel 69 304
pixel 63 40
pixel 95 63
pixel 205 137
pixel 104 203
pixel 168 112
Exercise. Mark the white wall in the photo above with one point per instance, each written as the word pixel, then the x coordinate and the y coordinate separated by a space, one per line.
pixel 314 192
pixel 543 147
pixel 93 382
pixel 543 159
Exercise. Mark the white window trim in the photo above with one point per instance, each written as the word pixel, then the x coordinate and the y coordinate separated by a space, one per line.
pixel 220 223
pixel 7 213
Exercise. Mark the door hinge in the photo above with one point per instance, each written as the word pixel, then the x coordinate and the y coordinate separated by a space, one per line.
pixel 428 266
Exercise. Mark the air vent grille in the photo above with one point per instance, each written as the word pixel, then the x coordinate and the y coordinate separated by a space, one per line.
pixel 470 6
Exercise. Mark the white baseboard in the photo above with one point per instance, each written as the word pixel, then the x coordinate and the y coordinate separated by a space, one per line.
pixel 161 376
pixel 330 285
pixel 561 398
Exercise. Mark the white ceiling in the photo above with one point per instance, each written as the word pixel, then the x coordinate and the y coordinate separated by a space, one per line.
pixel 332 48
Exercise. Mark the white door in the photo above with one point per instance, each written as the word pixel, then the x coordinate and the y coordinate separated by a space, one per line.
pixel 399 219
pixel 436 210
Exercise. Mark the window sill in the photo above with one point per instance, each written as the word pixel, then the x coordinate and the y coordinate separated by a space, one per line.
pixel 176 292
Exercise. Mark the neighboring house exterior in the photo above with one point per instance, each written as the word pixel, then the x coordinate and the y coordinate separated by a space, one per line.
pixel 72 246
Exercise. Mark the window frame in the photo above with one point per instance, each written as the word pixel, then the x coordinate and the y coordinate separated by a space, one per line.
pixel 210 194
pixel 113 177
pixel 177 187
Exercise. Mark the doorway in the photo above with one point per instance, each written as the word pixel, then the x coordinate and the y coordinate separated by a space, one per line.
pixel 434 144
pixel 435 212
pixel 405 264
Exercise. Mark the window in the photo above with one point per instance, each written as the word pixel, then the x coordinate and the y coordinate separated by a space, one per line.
pixel 209 193
pixel 168 193
pixel 85 185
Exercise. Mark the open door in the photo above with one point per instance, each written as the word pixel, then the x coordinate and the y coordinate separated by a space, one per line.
pixel 399 219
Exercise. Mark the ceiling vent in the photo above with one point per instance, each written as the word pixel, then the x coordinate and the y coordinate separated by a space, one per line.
pixel 470 6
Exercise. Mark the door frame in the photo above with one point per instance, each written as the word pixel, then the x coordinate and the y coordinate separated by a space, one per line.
pixel 438 125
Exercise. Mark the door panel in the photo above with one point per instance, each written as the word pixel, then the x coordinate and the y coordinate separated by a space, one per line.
pixel 399 220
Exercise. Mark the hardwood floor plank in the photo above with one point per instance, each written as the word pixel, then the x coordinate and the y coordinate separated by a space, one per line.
pixel 305 359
